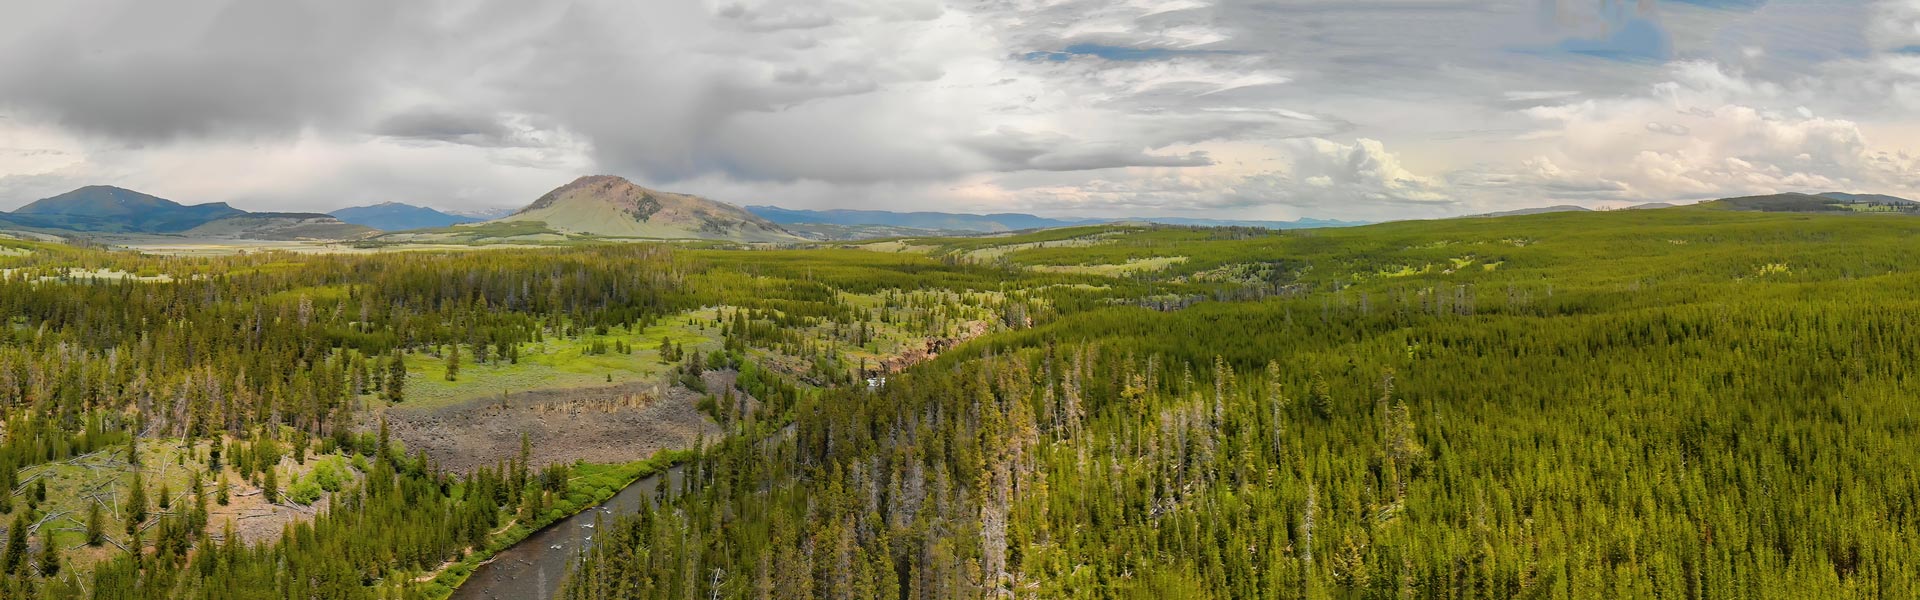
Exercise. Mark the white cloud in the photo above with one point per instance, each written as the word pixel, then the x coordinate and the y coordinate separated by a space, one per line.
pixel 1895 25
pixel 1312 177
pixel 1231 108
pixel 1694 137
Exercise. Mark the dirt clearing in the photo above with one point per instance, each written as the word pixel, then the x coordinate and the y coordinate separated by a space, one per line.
pixel 612 424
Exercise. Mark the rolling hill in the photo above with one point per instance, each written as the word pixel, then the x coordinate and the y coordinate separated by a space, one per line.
pixel 114 211
pixel 280 227
pixel 608 206
pixel 1781 203
pixel 395 216
pixel 1869 199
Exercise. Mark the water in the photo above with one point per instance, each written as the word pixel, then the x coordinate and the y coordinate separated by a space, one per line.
pixel 533 568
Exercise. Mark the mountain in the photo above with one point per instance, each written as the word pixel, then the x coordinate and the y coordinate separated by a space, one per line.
pixel 1869 199
pixel 1783 202
pixel 103 208
pixel 994 223
pixel 395 216
pixel 280 227
pixel 610 206
pixel 482 214
pixel 1536 211
pixel 1822 202
pixel 828 232
pixel 1294 224
pixel 997 222
pixel 1789 202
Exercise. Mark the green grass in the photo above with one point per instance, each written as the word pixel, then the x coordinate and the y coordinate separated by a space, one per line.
pixel 556 363
pixel 1131 266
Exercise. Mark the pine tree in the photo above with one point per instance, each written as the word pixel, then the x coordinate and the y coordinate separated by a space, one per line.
pixel 16 545
pixel 396 378
pixel 49 554
pixel 270 485
pixel 96 524
pixel 136 504
pixel 1322 398
pixel 453 363
pixel 380 451
pixel 198 518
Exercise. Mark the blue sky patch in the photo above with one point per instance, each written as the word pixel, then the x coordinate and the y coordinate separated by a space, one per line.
pixel 1635 39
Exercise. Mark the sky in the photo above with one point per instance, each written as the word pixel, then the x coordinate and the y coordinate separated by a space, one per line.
pixel 1276 109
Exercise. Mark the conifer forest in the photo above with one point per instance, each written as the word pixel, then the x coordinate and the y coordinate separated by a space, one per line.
pixel 1681 403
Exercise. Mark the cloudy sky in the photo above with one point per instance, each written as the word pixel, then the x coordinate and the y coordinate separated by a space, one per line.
pixel 1275 109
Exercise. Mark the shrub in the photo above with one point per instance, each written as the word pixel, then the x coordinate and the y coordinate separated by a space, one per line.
pixel 304 492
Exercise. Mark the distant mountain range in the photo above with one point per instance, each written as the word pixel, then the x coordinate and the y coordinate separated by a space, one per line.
pixel 611 207
pixel 1541 210
pixel 1869 199
pixel 995 223
pixel 395 216
pixel 482 214
pixel 112 210
pixel 1785 202
pixel 279 226
pixel 1824 202
pixel 599 206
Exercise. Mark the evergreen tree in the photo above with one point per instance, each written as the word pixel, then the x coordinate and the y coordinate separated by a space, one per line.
pixel 270 485
pixel 136 504
pixel 16 556
pixel 49 554
pixel 96 524
pixel 396 377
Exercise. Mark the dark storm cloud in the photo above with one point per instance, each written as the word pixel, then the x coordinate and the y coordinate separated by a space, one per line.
pixel 1218 103
pixel 1016 151
pixel 783 91
pixel 445 125
pixel 148 71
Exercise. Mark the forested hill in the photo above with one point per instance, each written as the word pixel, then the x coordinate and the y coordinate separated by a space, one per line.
pixel 1684 403
pixel 1679 403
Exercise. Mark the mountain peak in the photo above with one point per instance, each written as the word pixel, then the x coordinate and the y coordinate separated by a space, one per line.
pixel 399 216
pixel 612 206
pixel 591 180
pixel 113 209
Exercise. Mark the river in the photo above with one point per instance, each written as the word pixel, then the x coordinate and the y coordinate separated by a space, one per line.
pixel 533 568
